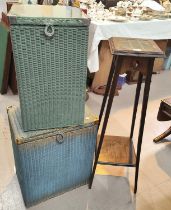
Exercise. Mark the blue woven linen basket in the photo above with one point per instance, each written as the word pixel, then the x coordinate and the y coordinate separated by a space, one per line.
pixel 51 162
pixel 50 52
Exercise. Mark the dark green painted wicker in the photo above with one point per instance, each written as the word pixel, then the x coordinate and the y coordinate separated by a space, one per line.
pixel 51 65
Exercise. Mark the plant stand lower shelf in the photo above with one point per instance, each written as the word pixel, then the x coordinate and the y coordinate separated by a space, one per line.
pixel 117 150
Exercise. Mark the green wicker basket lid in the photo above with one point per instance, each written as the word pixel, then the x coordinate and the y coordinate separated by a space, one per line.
pixel 44 15
pixel 21 137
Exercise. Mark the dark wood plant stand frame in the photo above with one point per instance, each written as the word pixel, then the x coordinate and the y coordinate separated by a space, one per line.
pixel 118 55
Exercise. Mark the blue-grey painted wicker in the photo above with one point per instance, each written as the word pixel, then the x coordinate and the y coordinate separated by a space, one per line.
pixel 48 165
pixel 51 70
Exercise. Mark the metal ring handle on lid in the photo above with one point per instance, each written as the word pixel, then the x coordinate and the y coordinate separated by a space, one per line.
pixel 49 31
pixel 60 137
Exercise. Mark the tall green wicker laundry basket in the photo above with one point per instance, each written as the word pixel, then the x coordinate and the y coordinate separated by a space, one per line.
pixel 50 52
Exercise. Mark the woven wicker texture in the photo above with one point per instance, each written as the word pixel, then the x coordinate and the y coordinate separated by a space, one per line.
pixel 49 21
pixel 25 137
pixel 46 167
pixel 51 74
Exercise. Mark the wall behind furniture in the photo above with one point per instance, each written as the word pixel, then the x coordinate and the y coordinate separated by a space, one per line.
pixel 2 7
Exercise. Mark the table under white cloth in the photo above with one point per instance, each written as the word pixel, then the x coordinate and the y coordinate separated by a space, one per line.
pixel 103 30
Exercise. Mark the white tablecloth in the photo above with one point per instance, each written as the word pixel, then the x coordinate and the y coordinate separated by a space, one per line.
pixel 103 30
